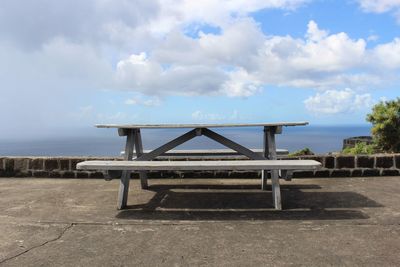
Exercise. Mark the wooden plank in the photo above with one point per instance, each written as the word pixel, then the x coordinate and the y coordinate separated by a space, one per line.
pixel 232 145
pixel 276 190
pixel 200 165
pixel 265 154
pixel 139 152
pixel 196 125
pixel 124 181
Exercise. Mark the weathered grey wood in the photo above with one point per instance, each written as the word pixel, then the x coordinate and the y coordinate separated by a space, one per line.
pixel 124 181
pixel 200 165
pixel 139 152
pixel 195 125
pixel 264 173
pixel 123 131
pixel 168 146
pixel 210 152
pixel 276 191
pixel 232 145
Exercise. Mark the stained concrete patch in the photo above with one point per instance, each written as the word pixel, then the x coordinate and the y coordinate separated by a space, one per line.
pixel 56 222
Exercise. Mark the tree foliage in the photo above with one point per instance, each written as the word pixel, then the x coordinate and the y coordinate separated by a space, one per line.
pixel 303 152
pixel 385 119
pixel 359 148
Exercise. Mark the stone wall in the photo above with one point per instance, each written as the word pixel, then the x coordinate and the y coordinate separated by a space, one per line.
pixel 333 166
pixel 354 166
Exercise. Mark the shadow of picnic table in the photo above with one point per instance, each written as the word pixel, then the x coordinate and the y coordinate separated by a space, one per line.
pixel 247 202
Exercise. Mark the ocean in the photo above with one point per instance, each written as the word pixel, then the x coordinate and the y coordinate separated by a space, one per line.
pixel 106 142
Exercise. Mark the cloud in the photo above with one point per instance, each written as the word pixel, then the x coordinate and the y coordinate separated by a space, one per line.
pixel 241 59
pixel 381 6
pixel 387 56
pixel 337 101
pixel 150 102
pixel 143 47
pixel 201 116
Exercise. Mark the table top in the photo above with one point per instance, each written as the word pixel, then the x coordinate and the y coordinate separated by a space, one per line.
pixel 198 125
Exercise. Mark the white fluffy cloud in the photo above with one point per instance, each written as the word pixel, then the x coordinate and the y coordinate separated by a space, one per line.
pixel 337 101
pixel 381 6
pixel 201 116
pixel 240 60
pixel 144 46
pixel 149 102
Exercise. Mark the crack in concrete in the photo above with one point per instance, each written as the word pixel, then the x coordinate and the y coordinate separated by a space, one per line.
pixel 211 221
pixel 40 245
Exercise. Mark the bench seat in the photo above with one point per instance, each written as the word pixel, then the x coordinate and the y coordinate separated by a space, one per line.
pixel 142 166
pixel 199 165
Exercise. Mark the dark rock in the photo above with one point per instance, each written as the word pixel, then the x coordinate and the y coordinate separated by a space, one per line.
pixel 329 162
pixel 8 164
pixel 64 164
pixel 221 174
pixel 396 158
pixel 322 174
pixel 23 174
pixel 170 174
pixel 371 172
pixel 40 174
pixel 80 174
pixel 246 174
pixel 365 162
pixel 54 174
pixel 345 162
pixel 51 164
pixel 21 164
pixel 356 173
pixel 97 175
pixel 154 174
pixel 68 174
pixel 390 173
pixel 36 164
pixel 384 162
pixel 341 173
pixel 303 174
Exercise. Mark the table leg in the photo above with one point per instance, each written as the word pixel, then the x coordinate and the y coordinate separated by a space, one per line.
pixel 276 191
pixel 139 152
pixel 126 175
pixel 264 173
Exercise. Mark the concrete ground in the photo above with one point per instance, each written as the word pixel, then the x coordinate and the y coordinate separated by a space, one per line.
pixel 56 222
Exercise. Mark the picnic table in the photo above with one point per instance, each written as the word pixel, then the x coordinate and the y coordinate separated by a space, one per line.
pixel 265 161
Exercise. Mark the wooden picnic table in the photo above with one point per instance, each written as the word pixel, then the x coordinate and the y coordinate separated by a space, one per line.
pixel 134 144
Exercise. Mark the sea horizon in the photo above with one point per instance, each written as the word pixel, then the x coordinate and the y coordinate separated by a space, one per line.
pixel 105 142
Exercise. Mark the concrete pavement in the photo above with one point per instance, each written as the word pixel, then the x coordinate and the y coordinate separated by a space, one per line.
pixel 199 222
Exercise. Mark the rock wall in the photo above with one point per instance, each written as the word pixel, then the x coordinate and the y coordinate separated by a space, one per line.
pixel 333 166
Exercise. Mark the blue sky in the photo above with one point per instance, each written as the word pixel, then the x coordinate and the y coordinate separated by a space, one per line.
pixel 67 65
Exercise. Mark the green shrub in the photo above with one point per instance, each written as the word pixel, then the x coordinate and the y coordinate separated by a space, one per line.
pixel 359 148
pixel 385 119
pixel 303 152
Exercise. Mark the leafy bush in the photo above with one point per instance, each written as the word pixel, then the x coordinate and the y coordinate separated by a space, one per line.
pixel 303 152
pixel 385 119
pixel 359 148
